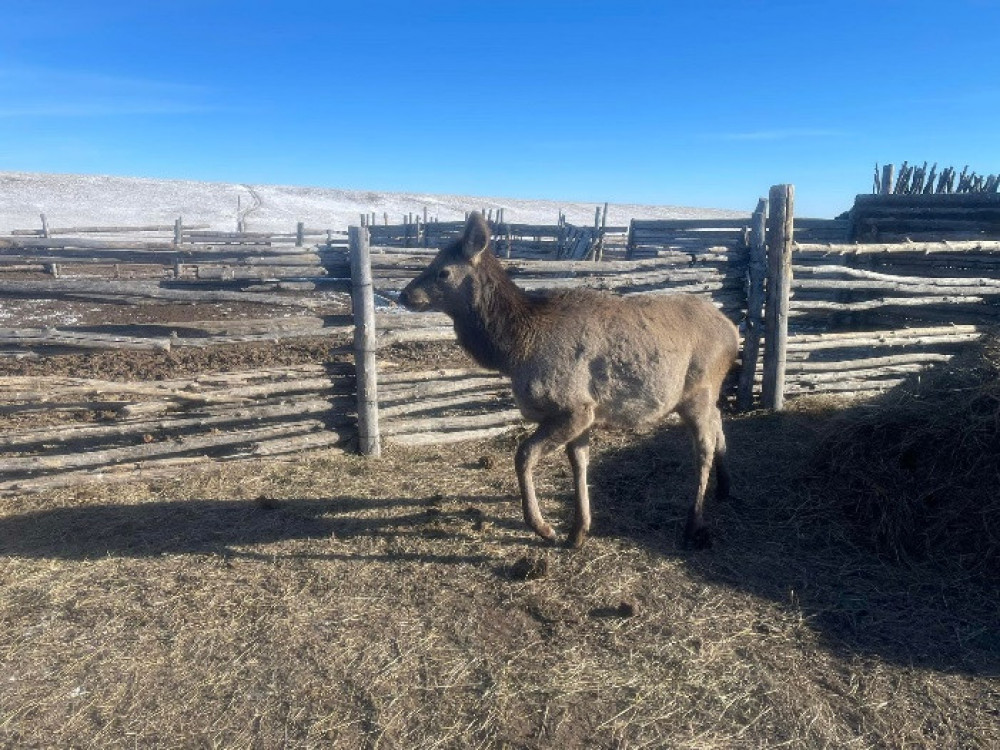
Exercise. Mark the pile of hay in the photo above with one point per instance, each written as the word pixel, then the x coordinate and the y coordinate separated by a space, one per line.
pixel 918 471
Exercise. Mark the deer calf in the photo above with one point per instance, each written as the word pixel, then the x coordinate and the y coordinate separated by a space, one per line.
pixel 579 358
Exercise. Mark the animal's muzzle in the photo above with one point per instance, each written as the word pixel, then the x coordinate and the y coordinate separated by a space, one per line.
pixel 414 299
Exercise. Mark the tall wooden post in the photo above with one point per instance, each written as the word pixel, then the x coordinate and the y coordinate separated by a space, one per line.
pixel 599 255
pixel 757 272
pixel 779 283
pixel 363 306
pixel 887 171
pixel 45 225
pixel 178 230
pixel 300 234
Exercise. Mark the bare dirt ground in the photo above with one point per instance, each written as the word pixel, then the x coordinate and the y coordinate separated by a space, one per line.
pixel 334 601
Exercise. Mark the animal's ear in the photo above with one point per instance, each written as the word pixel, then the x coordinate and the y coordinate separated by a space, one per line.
pixel 475 237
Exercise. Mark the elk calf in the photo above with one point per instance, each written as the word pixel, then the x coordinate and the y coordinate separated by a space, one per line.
pixel 579 358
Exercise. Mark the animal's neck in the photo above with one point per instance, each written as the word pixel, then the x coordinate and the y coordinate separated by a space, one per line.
pixel 497 330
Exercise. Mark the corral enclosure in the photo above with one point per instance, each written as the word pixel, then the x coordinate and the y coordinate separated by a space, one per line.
pixel 850 319
pixel 252 583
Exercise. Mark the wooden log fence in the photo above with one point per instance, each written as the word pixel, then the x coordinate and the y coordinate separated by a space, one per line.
pixel 901 216
pixel 218 417
pixel 831 316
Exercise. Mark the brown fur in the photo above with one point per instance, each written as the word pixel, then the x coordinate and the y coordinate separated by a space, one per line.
pixel 581 358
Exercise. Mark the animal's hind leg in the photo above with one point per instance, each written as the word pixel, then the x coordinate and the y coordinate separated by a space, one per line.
pixel 552 433
pixel 723 482
pixel 578 451
pixel 702 416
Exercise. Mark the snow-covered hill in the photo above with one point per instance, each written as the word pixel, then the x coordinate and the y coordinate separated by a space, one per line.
pixel 88 200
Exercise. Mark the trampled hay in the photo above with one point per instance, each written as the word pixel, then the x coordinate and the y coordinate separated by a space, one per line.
pixel 918 469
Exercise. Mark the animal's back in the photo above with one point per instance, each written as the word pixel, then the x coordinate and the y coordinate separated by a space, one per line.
pixel 632 359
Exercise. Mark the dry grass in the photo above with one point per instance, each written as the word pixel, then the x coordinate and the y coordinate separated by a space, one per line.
pixel 400 603
pixel 919 469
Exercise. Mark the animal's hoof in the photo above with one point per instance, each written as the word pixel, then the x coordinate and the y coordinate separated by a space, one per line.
pixel 697 538
pixel 576 540
pixel 546 532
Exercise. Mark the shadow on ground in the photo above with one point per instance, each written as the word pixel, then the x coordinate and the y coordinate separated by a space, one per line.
pixel 217 526
pixel 782 539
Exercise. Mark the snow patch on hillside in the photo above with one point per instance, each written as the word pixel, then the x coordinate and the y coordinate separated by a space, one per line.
pixel 95 200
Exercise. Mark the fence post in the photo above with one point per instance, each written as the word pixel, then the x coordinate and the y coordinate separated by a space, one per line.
pixel 178 230
pixel 757 271
pixel 779 281
pixel 599 254
pixel 363 307
pixel 300 234
pixel 45 225
pixel 887 171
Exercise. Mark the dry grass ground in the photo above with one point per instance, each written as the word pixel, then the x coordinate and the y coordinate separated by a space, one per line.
pixel 333 601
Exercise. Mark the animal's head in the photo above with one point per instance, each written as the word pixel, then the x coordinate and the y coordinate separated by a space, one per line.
pixel 451 281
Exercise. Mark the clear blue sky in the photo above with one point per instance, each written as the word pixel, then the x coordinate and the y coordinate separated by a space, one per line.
pixel 695 103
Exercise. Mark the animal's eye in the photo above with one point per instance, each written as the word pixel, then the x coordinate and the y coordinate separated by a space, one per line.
pixel 444 274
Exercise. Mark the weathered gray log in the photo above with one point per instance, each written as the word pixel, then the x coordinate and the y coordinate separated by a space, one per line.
pixel 169 395
pixel 412 335
pixel 391 321
pixel 82 242
pixel 243 326
pixel 897 280
pixel 806 363
pixel 51 337
pixel 446 437
pixel 860 373
pixel 271 389
pixel 247 416
pixel 907 336
pixel 125 291
pixel 756 275
pixel 388 377
pixel 62 406
pixel 206 256
pixel 887 175
pixel 917 266
pixel 779 251
pixel 105 229
pixel 805 307
pixel 156 468
pixel 237 272
pixel 110 456
pixel 844 386
pixel 475 400
pixel 907 287
pixel 34 338
pixel 408 391
pixel 441 424
pixel 957 246
pixel 211 340
pixel 365 342
pixel 644 224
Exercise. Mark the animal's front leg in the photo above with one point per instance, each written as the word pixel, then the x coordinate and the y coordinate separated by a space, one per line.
pixel 528 452
pixel 554 432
